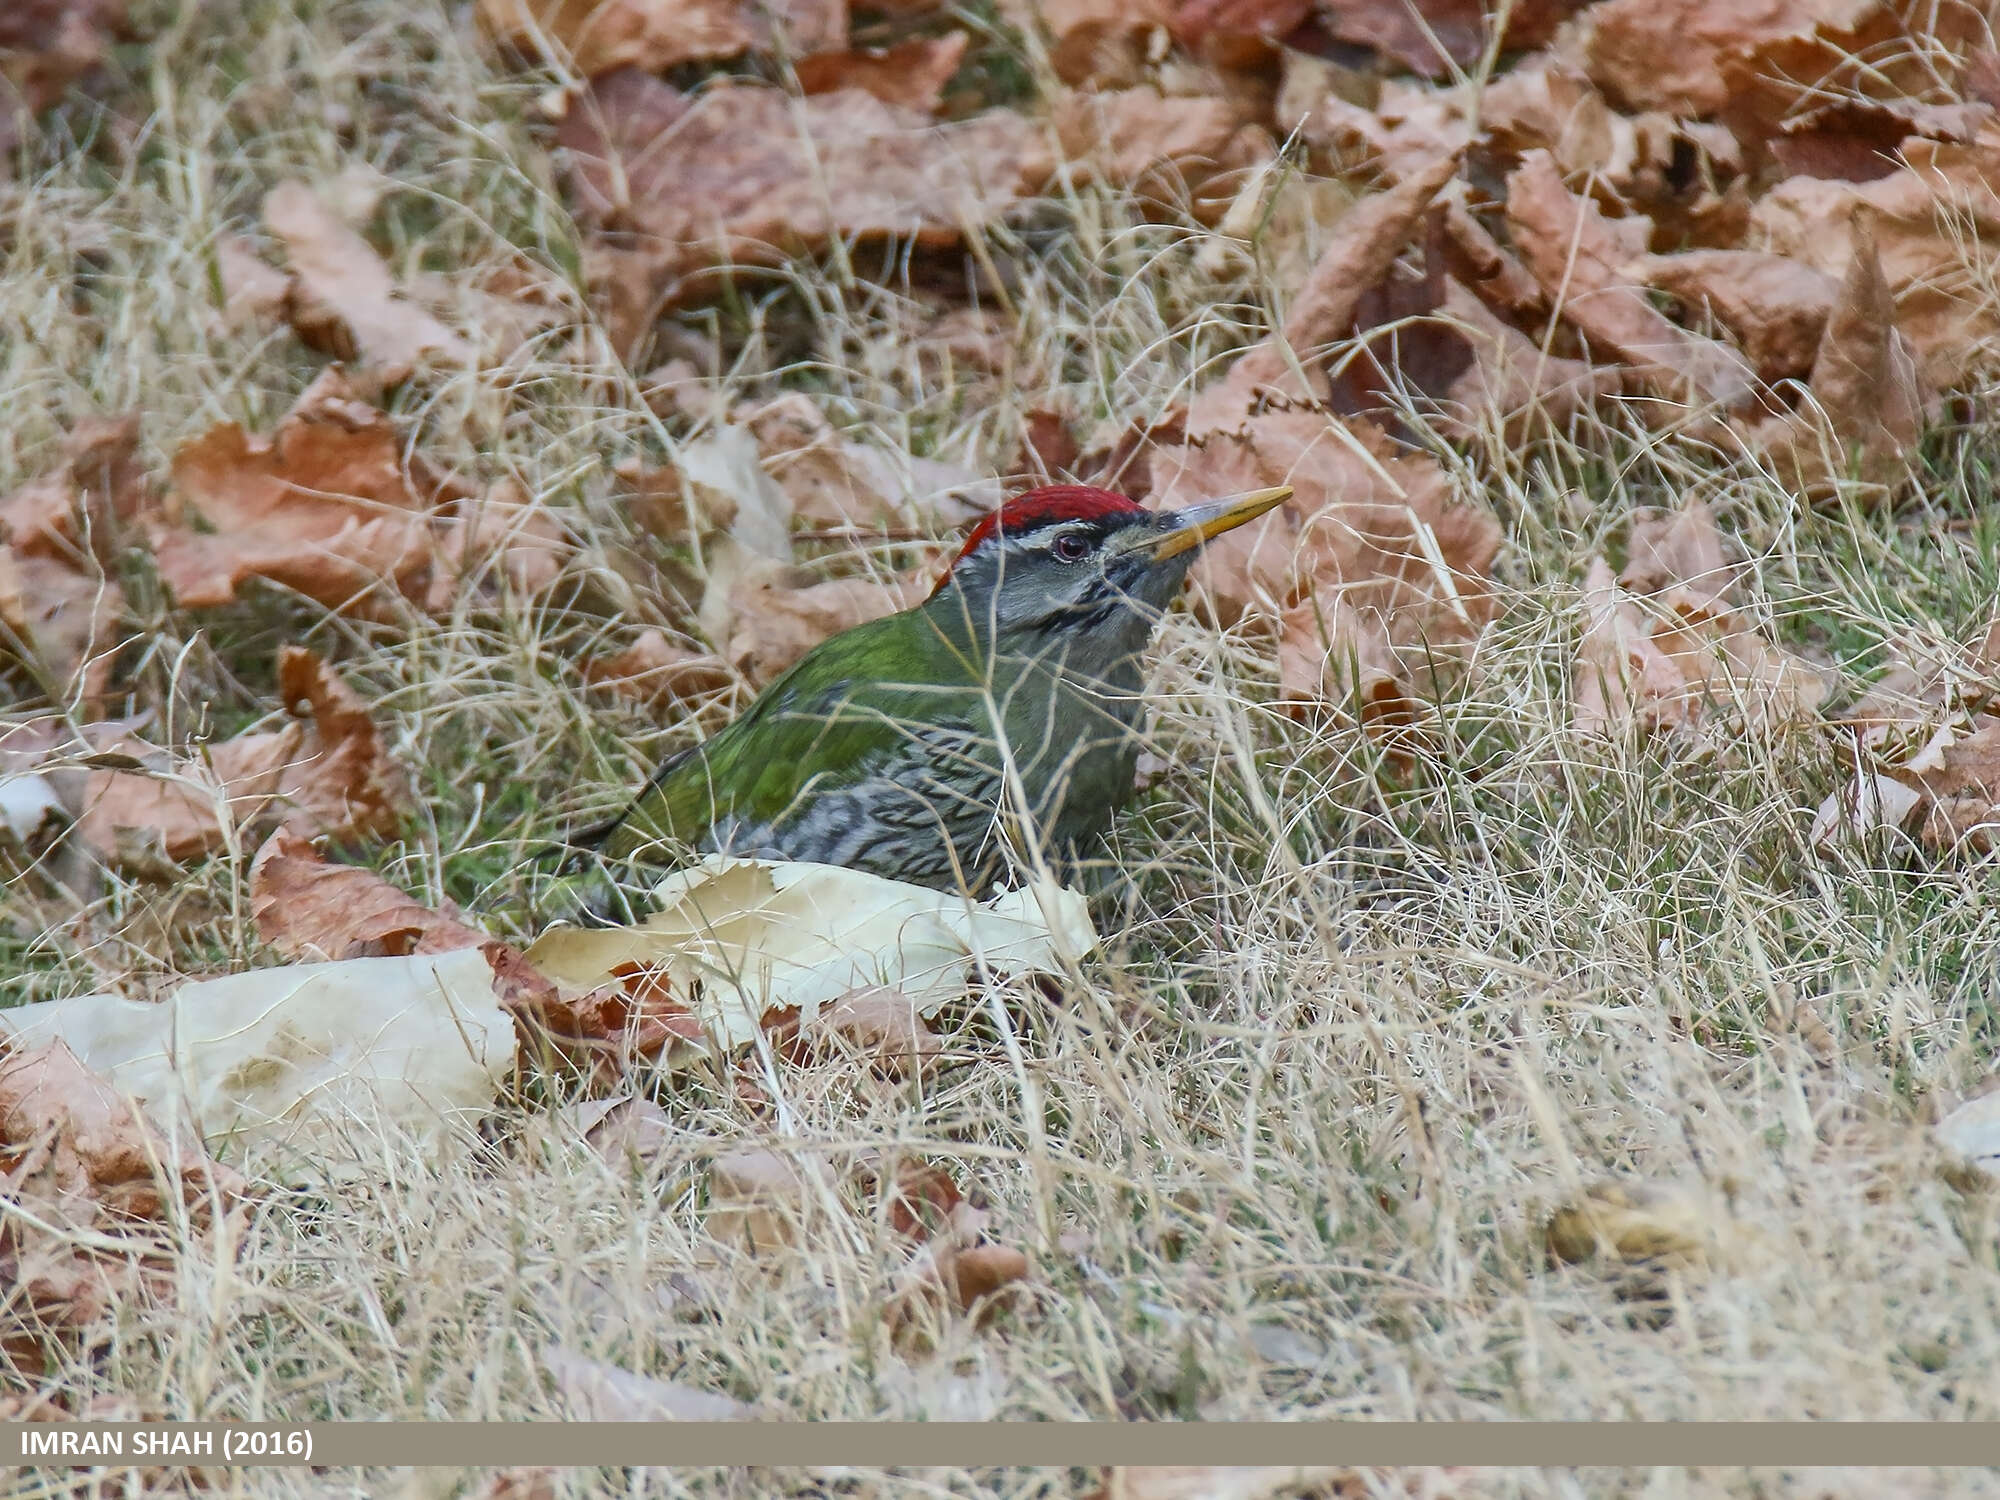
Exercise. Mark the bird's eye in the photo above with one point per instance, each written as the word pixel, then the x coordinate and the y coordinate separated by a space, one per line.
pixel 1070 547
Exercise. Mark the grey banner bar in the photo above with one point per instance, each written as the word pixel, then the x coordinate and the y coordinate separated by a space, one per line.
pixel 972 1444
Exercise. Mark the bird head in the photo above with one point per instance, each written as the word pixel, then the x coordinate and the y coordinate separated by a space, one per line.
pixel 1072 559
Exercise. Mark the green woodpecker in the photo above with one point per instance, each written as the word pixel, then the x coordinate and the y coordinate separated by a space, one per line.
pixel 1004 709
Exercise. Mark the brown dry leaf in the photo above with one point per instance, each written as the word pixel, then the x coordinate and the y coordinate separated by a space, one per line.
pixel 518 1484
pixel 45 46
pixel 655 667
pixel 596 36
pixel 1579 257
pixel 327 775
pixel 1430 36
pixel 675 185
pixel 1365 244
pixel 1936 228
pixel 1774 306
pixel 80 506
pixel 330 506
pixel 343 298
pixel 1105 43
pixel 1932 725
pixel 759 1200
pixel 100 1175
pixel 879 1025
pixel 311 910
pixel 775 622
pixel 1687 56
pixel 1178 151
pixel 503 531
pixel 1868 401
pixel 832 480
pixel 1663 649
pixel 1370 558
pixel 253 291
pixel 59 621
pixel 911 75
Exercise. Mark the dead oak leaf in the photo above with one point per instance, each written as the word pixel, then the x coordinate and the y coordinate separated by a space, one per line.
pixel 312 910
pixel 910 75
pixel 1775 307
pixel 1578 256
pixel 59 622
pixel 343 299
pixel 326 506
pixel 1868 402
pixel 1371 562
pixel 775 621
pixel 655 667
pixel 1104 43
pixel 81 506
pixel 1663 649
pixel 98 1176
pixel 598 36
pixel 45 46
pixel 674 185
pixel 326 775
pixel 1935 224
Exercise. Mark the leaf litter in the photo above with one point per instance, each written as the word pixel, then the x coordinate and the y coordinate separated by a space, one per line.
pixel 1715 220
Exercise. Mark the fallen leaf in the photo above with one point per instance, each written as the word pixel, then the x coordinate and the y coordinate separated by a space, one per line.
pixel 655 667
pixel 308 908
pixel 326 506
pixel 759 1200
pixel 253 291
pixel 1655 1226
pixel 672 185
pixel 326 775
pixel 1775 307
pixel 299 1057
pixel 599 1392
pixel 745 938
pixel 343 298
pixel 832 480
pixel 519 1484
pixel 45 46
pixel 1578 255
pixel 597 36
pixel 60 622
pixel 1372 558
pixel 1105 43
pixel 1935 224
pixel 1663 649
pixel 1868 402
pixel 1183 152
pixel 1365 244
pixel 1671 54
pixel 910 75
pixel 1971 1133
pixel 502 531
pixel 98 1176
pixel 1430 37
pixel 878 1024
pixel 624 1128
pixel 80 508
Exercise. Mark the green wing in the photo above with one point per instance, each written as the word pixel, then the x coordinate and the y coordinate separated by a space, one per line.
pixel 830 715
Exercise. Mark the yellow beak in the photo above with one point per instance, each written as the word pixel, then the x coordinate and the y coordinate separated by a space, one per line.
pixel 1197 523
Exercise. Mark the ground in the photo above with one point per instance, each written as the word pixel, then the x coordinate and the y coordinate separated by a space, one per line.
pixel 1288 1146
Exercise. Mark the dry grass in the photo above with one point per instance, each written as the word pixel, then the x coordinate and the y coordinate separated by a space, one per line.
pixel 1357 1031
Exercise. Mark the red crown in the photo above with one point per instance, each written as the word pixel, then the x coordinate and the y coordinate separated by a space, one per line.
pixel 1039 508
